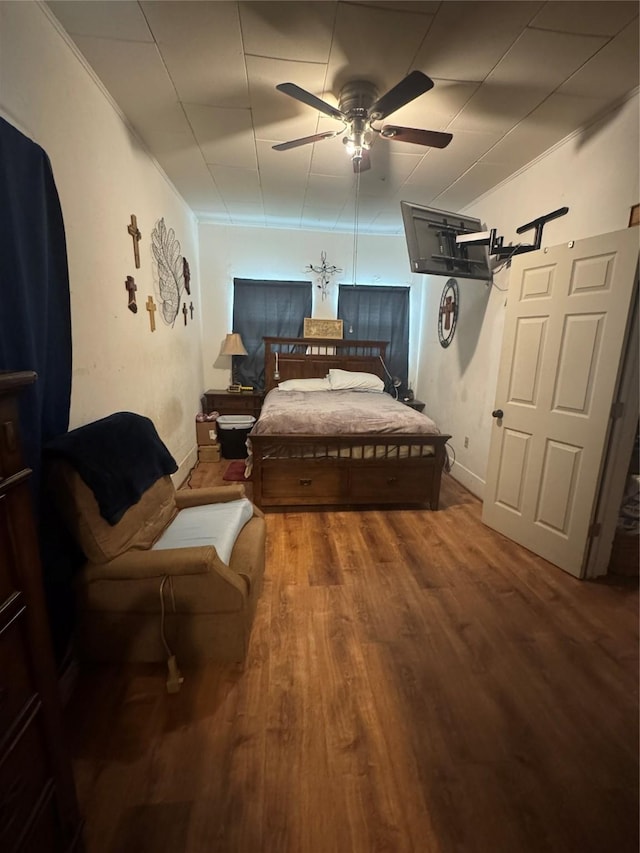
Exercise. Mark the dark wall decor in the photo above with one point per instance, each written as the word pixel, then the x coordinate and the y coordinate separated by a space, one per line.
pixel 131 287
pixel 166 251
pixel 448 313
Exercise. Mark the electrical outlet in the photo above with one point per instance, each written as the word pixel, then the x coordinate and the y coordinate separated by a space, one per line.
pixel 466 441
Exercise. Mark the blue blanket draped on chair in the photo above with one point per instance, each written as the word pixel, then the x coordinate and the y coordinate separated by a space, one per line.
pixel 119 457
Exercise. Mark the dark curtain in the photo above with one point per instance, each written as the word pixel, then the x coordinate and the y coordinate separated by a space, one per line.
pixel 35 334
pixel 379 314
pixel 266 309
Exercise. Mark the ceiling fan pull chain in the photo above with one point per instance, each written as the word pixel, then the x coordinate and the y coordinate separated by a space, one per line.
pixel 355 230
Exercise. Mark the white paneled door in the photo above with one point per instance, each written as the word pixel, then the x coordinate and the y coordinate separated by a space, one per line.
pixel 567 316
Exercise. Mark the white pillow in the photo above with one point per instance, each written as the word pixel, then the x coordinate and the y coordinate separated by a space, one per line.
pixel 350 380
pixel 319 384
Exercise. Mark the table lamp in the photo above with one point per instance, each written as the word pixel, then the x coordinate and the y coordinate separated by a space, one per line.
pixel 233 346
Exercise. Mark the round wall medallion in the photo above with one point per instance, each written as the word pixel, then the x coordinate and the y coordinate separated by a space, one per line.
pixel 448 313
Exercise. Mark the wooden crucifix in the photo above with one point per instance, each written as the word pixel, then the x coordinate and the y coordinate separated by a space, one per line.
pixel 448 309
pixel 185 311
pixel 151 308
pixel 131 287
pixel 137 236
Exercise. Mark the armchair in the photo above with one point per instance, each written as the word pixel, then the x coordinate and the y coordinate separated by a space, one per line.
pixel 178 573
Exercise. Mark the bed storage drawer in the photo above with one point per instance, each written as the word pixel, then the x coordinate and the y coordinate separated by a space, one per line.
pixel 401 484
pixel 300 481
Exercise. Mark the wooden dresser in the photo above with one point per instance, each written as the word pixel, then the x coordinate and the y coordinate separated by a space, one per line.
pixel 38 807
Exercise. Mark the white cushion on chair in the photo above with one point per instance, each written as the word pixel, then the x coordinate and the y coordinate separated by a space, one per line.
pixel 216 524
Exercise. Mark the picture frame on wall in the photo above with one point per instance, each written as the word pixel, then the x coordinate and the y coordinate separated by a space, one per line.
pixel 315 327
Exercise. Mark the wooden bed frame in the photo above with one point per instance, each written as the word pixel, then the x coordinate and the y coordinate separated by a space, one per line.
pixel 284 474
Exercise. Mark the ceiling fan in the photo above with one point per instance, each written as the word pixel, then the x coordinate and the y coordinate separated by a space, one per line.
pixel 359 108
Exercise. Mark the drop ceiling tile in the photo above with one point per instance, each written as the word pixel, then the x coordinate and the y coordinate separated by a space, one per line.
pixel 612 72
pixel 237 185
pixel 548 58
pixel 552 121
pixel 105 19
pixel 478 180
pixel 185 167
pixel 246 214
pixel 363 34
pixel 468 39
pixel 534 67
pixel 279 117
pixel 319 217
pixel 327 192
pixel 224 135
pixel 136 79
pixel 604 18
pixel 297 31
pixel 389 172
pixel 201 45
pixel 442 167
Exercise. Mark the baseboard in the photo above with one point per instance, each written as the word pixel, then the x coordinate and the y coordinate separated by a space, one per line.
pixel 468 479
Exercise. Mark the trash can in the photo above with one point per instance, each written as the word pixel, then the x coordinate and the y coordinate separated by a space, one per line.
pixel 232 434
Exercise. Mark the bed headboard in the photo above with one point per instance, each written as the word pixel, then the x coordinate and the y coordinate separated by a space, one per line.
pixel 310 358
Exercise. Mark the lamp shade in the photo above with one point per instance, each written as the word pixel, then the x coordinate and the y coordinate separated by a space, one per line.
pixel 233 345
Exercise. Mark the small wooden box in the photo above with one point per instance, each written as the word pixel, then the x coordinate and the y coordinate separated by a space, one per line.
pixel 209 453
pixel 206 433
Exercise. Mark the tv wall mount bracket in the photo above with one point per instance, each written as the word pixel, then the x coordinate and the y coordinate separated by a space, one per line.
pixel 496 244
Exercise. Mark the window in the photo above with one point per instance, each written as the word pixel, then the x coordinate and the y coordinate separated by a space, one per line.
pixel 263 309
pixel 378 314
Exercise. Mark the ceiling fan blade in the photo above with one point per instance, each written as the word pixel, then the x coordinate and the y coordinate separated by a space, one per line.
pixel 406 90
pixel 309 99
pixel 362 164
pixel 305 140
pixel 432 138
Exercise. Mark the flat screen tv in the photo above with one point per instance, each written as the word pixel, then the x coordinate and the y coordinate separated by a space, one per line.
pixel 431 242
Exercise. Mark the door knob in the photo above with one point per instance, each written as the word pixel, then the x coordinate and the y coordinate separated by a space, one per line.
pixel 497 413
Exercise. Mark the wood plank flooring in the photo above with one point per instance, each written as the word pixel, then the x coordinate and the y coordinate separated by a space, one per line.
pixel 415 682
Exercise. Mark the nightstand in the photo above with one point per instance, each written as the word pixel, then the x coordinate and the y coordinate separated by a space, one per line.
pixel 418 405
pixel 233 402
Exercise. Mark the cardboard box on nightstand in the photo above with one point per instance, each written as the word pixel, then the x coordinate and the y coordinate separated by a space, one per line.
pixel 206 433
pixel 208 452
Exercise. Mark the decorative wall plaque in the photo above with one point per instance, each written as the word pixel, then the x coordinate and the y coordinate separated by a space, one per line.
pixel 317 328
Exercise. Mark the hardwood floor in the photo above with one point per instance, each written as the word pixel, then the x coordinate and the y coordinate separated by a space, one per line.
pixel 415 682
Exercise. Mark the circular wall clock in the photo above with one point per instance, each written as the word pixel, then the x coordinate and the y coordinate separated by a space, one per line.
pixel 448 313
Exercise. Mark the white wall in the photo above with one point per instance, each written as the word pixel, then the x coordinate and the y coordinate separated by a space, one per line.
pixel 594 174
pixel 103 175
pixel 228 252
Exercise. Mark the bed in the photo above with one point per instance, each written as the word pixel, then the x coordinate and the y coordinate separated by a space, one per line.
pixel 316 463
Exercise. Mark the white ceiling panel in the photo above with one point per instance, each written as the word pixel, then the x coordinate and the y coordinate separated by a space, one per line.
pixel 544 58
pixel 590 18
pixel 134 75
pixel 237 185
pixel 197 80
pixel 478 180
pixel 327 192
pixel 548 124
pixel 607 74
pixel 297 31
pixel 453 49
pixel 225 136
pixel 374 44
pixel 123 20
pixel 202 48
pixel 277 116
